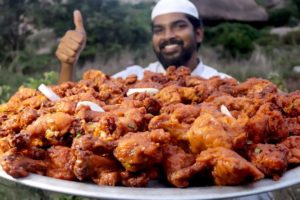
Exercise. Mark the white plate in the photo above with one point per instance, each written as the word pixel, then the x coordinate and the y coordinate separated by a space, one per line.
pixel 156 191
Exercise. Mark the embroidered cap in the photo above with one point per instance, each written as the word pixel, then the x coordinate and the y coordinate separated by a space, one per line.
pixel 174 6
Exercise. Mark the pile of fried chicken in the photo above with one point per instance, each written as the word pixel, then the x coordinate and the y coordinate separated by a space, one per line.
pixel 192 132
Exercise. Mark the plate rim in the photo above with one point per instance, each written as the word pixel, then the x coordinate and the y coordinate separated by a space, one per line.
pixel 291 177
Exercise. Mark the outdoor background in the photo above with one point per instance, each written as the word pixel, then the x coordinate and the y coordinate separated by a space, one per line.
pixel 243 38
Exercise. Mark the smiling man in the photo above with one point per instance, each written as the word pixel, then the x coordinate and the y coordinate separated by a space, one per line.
pixel 177 34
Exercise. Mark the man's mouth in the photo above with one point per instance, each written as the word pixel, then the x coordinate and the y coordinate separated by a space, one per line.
pixel 170 48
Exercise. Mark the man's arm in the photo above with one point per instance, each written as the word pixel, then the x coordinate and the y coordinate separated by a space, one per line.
pixel 69 49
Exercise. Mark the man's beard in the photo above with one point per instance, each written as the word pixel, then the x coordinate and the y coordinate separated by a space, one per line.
pixel 180 60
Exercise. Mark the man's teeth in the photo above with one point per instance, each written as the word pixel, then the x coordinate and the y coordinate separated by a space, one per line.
pixel 170 46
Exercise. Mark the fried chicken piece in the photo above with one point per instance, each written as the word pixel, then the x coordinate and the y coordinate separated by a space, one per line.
pixel 293 144
pixel 93 161
pixel 102 170
pixel 5 144
pixel 236 105
pixel 214 129
pixel 131 120
pixel 176 119
pixel 153 78
pixel 177 75
pixel 96 76
pixel 94 144
pixel 63 89
pixel 64 106
pixel 206 87
pixel 151 104
pixel 140 179
pixel 269 158
pixel 177 94
pixel 255 88
pixel 15 122
pixel 227 167
pixel 20 164
pixel 290 103
pixel 267 125
pixel 51 127
pixel 60 163
pixel 111 91
pixel 21 97
pixel 293 125
pixel 175 163
pixel 141 150
pixel 116 123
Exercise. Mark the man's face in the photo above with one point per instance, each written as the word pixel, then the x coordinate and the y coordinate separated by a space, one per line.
pixel 174 39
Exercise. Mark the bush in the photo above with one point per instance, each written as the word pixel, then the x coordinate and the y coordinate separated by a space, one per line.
pixel 237 39
pixel 6 90
pixel 48 79
pixel 5 93
pixel 280 17
pixel 292 38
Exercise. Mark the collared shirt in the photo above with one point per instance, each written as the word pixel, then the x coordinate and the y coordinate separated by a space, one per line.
pixel 201 70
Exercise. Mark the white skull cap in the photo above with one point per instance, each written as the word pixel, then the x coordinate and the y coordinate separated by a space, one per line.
pixel 174 6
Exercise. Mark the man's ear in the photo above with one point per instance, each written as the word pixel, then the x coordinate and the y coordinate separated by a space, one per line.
pixel 199 34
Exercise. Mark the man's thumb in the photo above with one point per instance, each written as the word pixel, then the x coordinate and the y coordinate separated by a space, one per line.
pixel 78 21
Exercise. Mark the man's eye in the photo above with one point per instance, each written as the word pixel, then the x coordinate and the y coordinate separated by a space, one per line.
pixel 180 25
pixel 157 30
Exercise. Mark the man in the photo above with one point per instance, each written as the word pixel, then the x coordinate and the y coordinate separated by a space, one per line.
pixel 177 33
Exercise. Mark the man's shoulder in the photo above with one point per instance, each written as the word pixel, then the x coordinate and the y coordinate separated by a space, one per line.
pixel 134 69
pixel 210 72
pixel 139 71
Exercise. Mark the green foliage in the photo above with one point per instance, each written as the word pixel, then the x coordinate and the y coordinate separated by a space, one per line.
pixel 110 25
pixel 48 79
pixel 292 38
pixel 6 90
pixel 280 16
pixel 289 14
pixel 277 79
pixel 237 39
pixel 5 93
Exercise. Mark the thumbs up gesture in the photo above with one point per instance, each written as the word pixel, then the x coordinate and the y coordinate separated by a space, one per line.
pixel 72 43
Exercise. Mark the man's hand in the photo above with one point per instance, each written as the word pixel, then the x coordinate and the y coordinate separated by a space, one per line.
pixel 70 47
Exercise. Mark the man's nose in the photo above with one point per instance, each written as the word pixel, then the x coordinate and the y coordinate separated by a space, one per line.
pixel 169 33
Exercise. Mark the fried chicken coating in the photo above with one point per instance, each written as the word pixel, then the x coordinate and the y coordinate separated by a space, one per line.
pixel 177 94
pixel 175 163
pixel 19 164
pixel 176 119
pixel 138 179
pixel 192 132
pixel 227 167
pixel 50 127
pixel 93 161
pixel 141 150
pixel 293 125
pixel 214 129
pixel 255 88
pixel 269 158
pixel 293 144
pixel 60 163
pixel 267 125
pixel 290 103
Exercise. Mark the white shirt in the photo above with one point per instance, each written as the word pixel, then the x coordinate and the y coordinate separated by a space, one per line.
pixel 201 70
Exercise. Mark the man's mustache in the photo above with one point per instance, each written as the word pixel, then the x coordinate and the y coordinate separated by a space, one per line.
pixel 170 42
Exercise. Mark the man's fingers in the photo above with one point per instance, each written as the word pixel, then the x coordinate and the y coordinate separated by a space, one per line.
pixel 65 58
pixel 78 21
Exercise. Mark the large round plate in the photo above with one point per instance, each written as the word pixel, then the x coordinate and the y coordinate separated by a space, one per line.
pixel 156 190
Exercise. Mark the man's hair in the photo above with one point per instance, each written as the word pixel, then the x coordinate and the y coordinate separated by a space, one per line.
pixel 197 23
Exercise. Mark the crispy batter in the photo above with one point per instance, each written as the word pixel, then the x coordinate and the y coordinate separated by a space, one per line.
pixel 270 159
pixel 192 132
